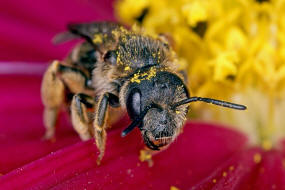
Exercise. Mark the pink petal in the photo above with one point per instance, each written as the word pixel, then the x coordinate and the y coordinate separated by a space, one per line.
pixel 27 26
pixel 21 126
pixel 271 172
pixel 234 173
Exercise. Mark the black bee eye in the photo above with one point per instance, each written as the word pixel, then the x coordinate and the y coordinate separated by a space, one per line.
pixel 88 58
pixel 91 55
pixel 134 103
pixel 111 57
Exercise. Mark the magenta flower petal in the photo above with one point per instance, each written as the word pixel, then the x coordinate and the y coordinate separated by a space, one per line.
pixel 249 169
pixel 27 26
pixel 234 173
pixel 271 172
pixel 21 127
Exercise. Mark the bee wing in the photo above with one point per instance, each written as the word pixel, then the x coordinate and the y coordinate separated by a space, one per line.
pixel 89 30
pixel 64 37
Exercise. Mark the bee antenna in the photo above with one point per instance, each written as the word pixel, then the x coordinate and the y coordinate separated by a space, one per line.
pixel 211 101
pixel 137 121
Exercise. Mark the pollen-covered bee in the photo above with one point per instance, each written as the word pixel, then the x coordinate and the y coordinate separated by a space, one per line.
pixel 116 67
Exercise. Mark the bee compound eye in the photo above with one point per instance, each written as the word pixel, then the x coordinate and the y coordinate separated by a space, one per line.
pixel 111 57
pixel 134 103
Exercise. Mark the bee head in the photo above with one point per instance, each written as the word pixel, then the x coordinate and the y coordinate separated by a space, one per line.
pixel 158 106
pixel 149 105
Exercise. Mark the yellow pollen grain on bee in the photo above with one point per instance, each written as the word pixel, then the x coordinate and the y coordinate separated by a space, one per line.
pixel 138 77
pixel 257 158
pixel 97 38
pixel 119 61
pixel 214 181
pixel 124 39
pixel 116 33
pixel 177 112
pixel 225 174
pixel 151 73
pixel 127 68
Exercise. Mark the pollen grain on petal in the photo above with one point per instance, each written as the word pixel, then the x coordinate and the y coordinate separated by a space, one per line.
pixel 144 155
pixel 173 188
pixel 257 158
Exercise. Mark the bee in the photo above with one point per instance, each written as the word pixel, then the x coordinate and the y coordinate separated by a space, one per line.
pixel 116 67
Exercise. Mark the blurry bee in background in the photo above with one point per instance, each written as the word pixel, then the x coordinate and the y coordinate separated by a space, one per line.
pixel 116 67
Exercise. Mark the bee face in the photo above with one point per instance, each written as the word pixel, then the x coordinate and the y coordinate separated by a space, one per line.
pixel 159 127
pixel 153 99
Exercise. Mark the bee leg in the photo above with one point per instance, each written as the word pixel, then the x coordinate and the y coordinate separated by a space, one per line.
pixel 52 93
pixel 81 121
pixel 75 80
pixel 100 125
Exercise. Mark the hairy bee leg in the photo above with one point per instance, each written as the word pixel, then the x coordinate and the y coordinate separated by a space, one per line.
pixel 52 93
pixel 75 80
pixel 55 80
pixel 100 125
pixel 79 115
pixel 50 119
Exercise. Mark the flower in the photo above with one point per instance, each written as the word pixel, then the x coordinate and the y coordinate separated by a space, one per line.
pixel 234 50
pixel 205 156
pixel 195 12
